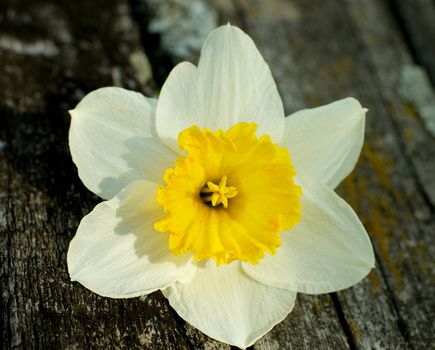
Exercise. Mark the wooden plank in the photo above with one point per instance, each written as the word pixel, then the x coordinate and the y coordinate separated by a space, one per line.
pixel 294 57
pixel 320 53
pixel 391 58
pixel 51 54
pixel 406 246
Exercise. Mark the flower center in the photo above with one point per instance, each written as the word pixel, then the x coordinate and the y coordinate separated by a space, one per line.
pixel 230 197
pixel 218 194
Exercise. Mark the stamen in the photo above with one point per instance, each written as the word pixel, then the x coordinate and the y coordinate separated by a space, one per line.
pixel 218 194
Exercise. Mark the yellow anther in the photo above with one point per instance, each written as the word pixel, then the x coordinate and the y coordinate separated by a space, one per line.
pixel 218 194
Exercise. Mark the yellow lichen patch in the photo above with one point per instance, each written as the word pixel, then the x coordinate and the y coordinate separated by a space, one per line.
pixel 409 134
pixel 397 111
pixel 375 281
pixel 230 197
pixel 406 109
pixel 381 220
pixel 381 164
pixel 316 304
pixel 339 67
pixel 355 331
pixel 382 224
pixel 411 112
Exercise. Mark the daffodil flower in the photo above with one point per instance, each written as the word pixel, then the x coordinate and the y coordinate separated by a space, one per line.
pixel 214 197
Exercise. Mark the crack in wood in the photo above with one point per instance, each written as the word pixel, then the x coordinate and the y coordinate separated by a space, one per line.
pixel 343 322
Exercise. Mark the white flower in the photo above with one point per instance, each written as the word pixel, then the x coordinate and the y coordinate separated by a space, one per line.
pixel 225 223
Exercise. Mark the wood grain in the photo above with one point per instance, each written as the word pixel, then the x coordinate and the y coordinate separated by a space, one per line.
pixel 80 46
pixel 355 49
pixel 54 52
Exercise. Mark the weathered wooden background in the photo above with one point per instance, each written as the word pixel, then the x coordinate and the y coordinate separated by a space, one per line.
pixel 52 52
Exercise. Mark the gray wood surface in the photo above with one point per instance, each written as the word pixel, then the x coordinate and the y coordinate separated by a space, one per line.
pixel 54 52
pixel 417 20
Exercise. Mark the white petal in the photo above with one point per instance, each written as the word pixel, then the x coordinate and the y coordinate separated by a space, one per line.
pixel 227 305
pixel 117 253
pixel 327 251
pixel 113 141
pixel 231 84
pixel 325 142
